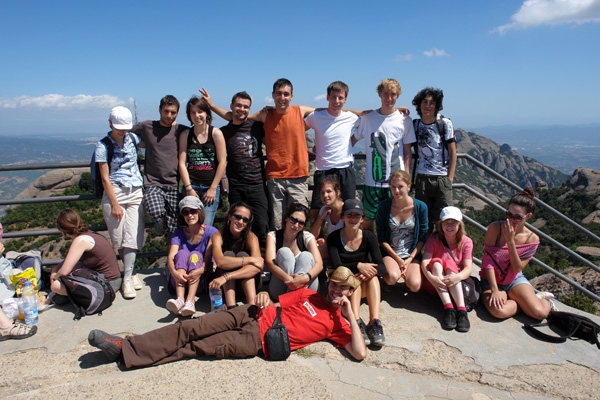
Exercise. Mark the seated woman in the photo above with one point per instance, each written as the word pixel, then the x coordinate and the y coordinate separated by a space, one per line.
pixel 88 250
pixel 358 250
pixel 402 230
pixel 186 256
pixel 236 253
pixel 292 254
pixel 330 215
pixel 508 247
pixel 448 260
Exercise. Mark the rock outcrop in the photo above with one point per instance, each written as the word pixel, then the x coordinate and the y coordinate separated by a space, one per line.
pixel 53 182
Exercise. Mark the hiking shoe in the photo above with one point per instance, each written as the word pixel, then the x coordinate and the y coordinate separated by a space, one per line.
pixel 159 226
pixel 127 290
pixel 544 295
pixel 462 322
pixel 137 283
pixel 375 332
pixel 175 305
pixel 363 330
pixel 188 309
pixel 110 345
pixel 449 319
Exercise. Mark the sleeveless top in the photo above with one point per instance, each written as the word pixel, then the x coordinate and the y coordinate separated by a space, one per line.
pixel 101 257
pixel 201 158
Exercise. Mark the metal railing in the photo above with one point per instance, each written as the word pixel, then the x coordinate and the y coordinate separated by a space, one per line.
pixel 457 186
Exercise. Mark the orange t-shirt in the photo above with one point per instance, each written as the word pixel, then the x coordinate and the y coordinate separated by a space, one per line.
pixel 285 142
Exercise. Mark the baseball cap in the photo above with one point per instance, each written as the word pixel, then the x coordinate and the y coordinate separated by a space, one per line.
pixel 191 202
pixel 344 276
pixel 121 118
pixel 451 213
pixel 352 206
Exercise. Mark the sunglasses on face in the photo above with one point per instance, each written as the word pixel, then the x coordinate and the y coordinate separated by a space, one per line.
pixel 185 213
pixel 514 217
pixel 238 217
pixel 294 221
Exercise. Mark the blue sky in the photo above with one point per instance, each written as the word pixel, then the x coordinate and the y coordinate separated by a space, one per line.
pixel 66 63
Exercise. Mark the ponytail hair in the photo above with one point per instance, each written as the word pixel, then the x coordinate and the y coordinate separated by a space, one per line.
pixel 525 199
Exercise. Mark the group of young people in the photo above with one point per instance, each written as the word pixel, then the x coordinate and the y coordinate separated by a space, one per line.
pixel 269 207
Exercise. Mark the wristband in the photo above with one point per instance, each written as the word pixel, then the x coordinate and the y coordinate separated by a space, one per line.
pixel 309 276
pixel 243 260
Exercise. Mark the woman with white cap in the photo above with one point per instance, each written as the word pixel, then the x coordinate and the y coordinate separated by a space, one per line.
pixel 186 257
pixel 447 261
pixel 122 198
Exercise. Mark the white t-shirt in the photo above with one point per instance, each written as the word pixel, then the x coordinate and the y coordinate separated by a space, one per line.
pixel 431 146
pixel 333 148
pixel 385 137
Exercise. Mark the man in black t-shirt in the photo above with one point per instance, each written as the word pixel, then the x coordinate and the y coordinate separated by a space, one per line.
pixel 245 162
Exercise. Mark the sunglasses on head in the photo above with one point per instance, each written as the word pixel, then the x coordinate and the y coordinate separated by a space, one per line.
pixel 192 211
pixel 294 221
pixel 240 218
pixel 514 217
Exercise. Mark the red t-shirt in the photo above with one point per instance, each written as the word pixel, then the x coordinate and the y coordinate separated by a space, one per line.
pixel 309 318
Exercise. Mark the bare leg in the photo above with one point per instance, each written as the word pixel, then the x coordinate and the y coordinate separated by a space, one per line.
pixel 373 295
pixel 413 277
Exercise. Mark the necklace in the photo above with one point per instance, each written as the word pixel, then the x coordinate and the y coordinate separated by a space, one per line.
pixel 351 243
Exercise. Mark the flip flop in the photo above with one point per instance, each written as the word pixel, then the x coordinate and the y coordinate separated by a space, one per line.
pixel 17 331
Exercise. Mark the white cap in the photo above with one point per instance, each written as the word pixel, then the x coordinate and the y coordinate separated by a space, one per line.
pixel 450 213
pixel 121 118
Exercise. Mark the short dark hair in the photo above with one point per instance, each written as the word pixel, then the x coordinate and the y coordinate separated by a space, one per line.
pixel 201 217
pixel 436 94
pixel 295 207
pixel 242 95
pixel 169 100
pixel 202 104
pixel 283 82
pixel 337 86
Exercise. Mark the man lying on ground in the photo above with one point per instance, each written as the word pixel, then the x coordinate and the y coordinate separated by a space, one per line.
pixel 240 332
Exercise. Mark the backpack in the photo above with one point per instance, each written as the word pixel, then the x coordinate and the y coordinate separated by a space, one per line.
pixel 88 291
pixel 95 169
pixel 441 127
pixel 573 325
pixel 28 259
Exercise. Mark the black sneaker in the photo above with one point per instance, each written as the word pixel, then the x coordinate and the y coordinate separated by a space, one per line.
pixel 159 227
pixel 462 322
pixel 375 332
pixel 449 319
pixel 363 330
pixel 109 344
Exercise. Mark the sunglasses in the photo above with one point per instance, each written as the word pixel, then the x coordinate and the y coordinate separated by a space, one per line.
pixel 294 221
pixel 238 217
pixel 514 217
pixel 192 211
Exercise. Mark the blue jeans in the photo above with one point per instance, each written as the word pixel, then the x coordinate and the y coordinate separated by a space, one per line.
pixel 209 211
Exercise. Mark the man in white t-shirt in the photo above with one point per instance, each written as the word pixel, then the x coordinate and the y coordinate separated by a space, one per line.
pixel 388 136
pixel 333 147
pixel 436 153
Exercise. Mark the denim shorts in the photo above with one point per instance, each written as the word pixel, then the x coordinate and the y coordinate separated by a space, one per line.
pixel 520 279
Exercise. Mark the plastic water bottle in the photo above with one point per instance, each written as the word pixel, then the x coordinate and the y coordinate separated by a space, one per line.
pixel 216 300
pixel 30 308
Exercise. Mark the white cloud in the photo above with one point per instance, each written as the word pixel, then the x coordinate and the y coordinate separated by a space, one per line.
pixel 435 52
pixel 59 101
pixel 269 99
pixel 403 57
pixel 320 98
pixel 552 12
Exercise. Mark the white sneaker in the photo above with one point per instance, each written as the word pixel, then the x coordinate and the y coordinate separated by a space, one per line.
pixel 544 295
pixel 137 283
pixel 175 305
pixel 128 290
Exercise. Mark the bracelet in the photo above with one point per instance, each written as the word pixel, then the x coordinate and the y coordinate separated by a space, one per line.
pixel 188 185
pixel 309 276
pixel 226 276
pixel 243 260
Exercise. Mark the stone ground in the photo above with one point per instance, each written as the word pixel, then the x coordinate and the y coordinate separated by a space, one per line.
pixel 495 360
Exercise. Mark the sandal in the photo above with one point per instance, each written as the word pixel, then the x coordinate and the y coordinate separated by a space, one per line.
pixel 17 331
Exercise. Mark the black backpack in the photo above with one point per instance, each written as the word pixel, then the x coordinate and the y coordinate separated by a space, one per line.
pixel 573 325
pixel 88 291
pixel 95 169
